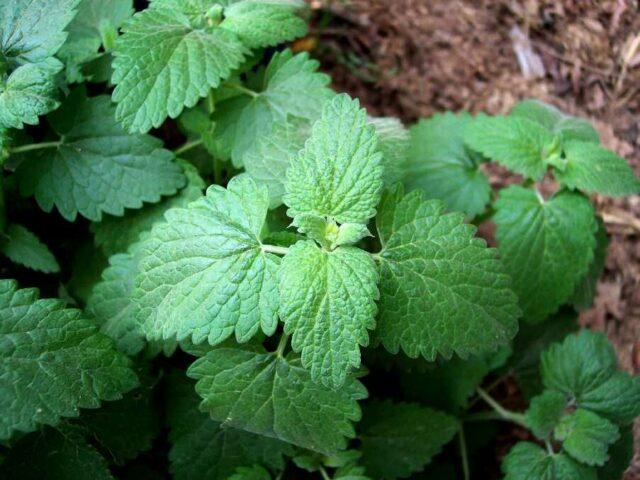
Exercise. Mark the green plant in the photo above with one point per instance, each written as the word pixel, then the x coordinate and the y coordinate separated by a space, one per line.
pixel 262 315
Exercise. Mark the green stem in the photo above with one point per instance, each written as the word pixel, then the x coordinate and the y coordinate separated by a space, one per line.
pixel 243 89
pixel 211 106
pixel 188 146
pixel 3 214
pixel 35 146
pixel 217 172
pixel 325 475
pixel 282 344
pixel 275 249
pixel 505 414
pixel 463 454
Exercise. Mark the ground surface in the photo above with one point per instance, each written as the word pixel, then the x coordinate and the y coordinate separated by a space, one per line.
pixel 411 58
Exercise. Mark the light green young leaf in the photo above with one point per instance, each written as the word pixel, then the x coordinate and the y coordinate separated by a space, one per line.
pixel 204 448
pixel 169 56
pixel 544 412
pixel 327 301
pixel 97 167
pixel 518 143
pixel 327 233
pixel 54 362
pixel 557 122
pixel 289 87
pixel 443 167
pixel 264 23
pixel 584 368
pixel 546 245
pixel 203 274
pixel 585 291
pixel 116 234
pixel 593 169
pixel 400 439
pixel 29 91
pixel 23 247
pixel 586 436
pixel 95 23
pixel 339 172
pixel 32 31
pixel 441 289
pixel 393 142
pixel 269 395
pixel 62 454
pixel 528 461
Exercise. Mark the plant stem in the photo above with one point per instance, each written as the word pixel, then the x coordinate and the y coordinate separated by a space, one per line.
pixel 463 454
pixel 282 344
pixel 35 146
pixel 187 146
pixel 323 472
pixel 217 172
pixel 243 89
pixel 275 249
pixel 505 414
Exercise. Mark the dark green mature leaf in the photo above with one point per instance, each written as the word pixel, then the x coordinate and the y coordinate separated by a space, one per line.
pixel 442 166
pixel 593 169
pixel 116 234
pixel 546 245
pixel 327 301
pixel 204 448
pixel 23 247
pixel 584 368
pixel 528 461
pixel 255 472
pixel 620 456
pixel 519 144
pixel 269 395
pixel 62 454
pixel 585 291
pixel 399 439
pixel 97 167
pixel 586 436
pixel 441 290
pixel 544 412
pixel 54 362
pixel 203 274
pixel 32 31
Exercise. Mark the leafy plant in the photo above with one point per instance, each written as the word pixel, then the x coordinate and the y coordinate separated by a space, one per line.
pixel 265 298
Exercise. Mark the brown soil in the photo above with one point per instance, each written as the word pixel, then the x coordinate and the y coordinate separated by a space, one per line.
pixel 411 58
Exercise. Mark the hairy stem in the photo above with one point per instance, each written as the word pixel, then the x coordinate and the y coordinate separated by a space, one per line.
pixel 243 89
pixel 275 249
pixel 282 344
pixel 187 146
pixel 35 146
pixel 505 414
pixel 463 454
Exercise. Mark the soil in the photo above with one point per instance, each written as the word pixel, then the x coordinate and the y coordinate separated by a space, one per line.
pixel 412 58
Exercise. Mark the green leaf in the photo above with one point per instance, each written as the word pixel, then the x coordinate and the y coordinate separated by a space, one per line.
pixel 289 87
pixel 519 144
pixel 544 412
pixel 584 367
pixel 32 31
pixel 586 436
pixel 168 58
pixel 97 167
pixel 255 472
pixel 204 448
pixel 585 292
pixel 339 172
pixel 203 273
pixel 29 91
pixel 268 161
pixel 327 233
pixel 269 395
pixel 23 247
pixel 93 23
pixel 327 301
pixel 443 167
pixel 568 127
pixel 546 245
pixel 116 234
pixel 393 142
pixel 53 362
pixel 593 169
pixel 264 23
pixel 400 439
pixel 111 305
pixel 55 455
pixel 441 289
pixel 527 461
pixel 621 454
